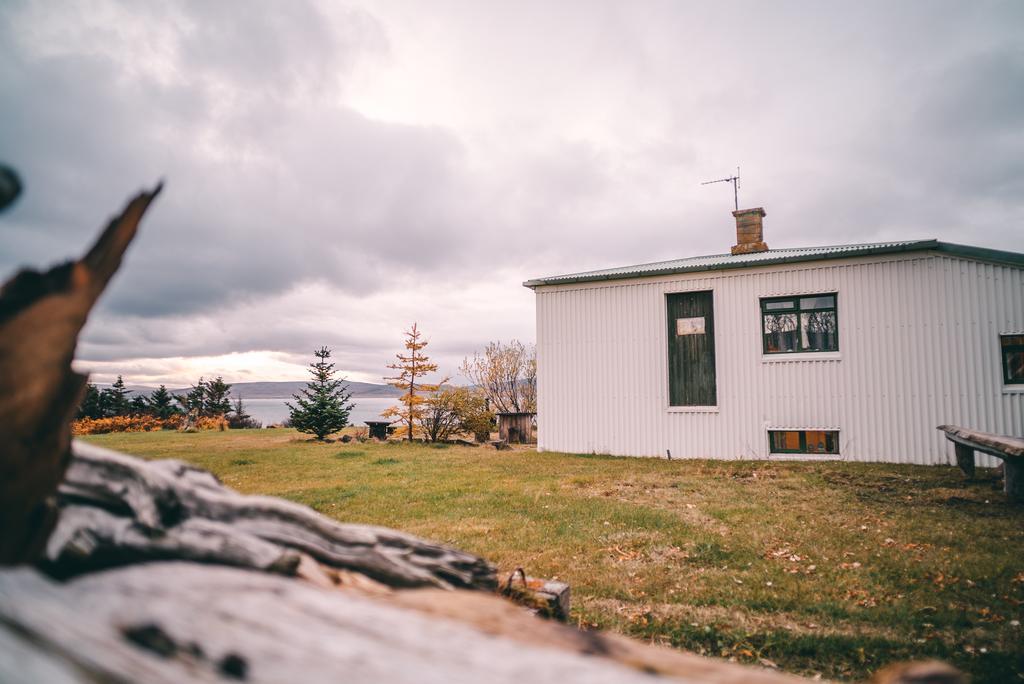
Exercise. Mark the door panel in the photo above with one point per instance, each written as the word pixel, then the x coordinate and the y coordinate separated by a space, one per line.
pixel 691 349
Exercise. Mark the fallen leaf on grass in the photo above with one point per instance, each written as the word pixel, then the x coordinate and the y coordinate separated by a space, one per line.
pixel 988 616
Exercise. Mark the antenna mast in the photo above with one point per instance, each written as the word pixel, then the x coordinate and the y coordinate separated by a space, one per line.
pixel 735 180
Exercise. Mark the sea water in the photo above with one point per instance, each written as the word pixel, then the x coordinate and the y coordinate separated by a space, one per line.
pixel 271 411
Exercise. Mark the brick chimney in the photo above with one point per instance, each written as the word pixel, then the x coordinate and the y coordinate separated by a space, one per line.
pixel 749 232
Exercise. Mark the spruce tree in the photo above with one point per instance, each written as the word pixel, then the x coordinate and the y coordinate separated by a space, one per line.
pixel 92 404
pixel 239 418
pixel 161 403
pixel 217 401
pixel 115 399
pixel 139 406
pixel 323 407
pixel 195 400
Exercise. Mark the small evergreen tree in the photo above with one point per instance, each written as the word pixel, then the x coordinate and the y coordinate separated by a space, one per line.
pixel 195 400
pixel 323 407
pixel 216 400
pixel 161 403
pixel 92 404
pixel 411 370
pixel 115 399
pixel 239 419
pixel 138 406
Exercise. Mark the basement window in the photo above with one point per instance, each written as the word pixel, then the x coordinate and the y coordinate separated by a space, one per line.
pixel 804 441
pixel 1012 349
pixel 808 323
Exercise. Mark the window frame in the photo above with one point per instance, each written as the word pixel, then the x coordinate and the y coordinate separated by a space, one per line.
pixel 797 310
pixel 711 330
pixel 1004 359
pixel 802 450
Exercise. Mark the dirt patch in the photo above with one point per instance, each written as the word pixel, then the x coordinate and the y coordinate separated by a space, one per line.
pixel 657 496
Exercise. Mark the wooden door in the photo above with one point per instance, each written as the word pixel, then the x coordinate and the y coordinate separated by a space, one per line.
pixel 691 349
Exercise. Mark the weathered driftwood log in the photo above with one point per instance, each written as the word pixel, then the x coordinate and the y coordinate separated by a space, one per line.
pixel 41 315
pixel 175 622
pixel 89 538
pixel 168 509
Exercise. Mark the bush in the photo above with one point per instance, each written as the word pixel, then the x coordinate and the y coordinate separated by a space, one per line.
pixel 100 426
pixel 241 423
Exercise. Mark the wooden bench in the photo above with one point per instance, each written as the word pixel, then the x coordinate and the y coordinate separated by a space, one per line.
pixel 1009 449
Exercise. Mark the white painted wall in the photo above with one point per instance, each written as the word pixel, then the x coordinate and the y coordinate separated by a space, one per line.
pixel 918 341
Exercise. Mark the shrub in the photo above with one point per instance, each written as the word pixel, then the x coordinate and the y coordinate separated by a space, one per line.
pixel 99 426
pixel 212 423
pixel 248 422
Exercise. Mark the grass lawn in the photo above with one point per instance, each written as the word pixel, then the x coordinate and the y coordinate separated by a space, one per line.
pixel 830 568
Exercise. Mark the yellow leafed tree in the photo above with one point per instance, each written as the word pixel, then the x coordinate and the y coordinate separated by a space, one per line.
pixel 412 367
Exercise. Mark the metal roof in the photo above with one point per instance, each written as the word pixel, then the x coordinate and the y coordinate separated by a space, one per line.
pixel 774 257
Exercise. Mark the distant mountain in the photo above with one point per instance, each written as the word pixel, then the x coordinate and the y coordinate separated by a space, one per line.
pixel 281 390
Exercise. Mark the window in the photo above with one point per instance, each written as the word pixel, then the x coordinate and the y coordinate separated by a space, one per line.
pixel 804 441
pixel 800 324
pixel 1012 347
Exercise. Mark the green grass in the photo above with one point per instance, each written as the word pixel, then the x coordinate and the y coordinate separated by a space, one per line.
pixel 831 568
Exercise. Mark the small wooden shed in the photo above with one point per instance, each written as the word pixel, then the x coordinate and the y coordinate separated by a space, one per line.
pixel 516 428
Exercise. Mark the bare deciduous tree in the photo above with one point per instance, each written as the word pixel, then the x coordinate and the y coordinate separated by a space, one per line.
pixel 507 375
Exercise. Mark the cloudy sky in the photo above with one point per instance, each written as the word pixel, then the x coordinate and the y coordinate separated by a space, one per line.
pixel 335 171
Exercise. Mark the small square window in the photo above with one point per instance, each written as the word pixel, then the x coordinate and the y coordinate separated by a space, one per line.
pixel 804 441
pixel 1012 348
pixel 800 324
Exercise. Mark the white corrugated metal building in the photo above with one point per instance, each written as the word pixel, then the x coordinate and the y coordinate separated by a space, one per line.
pixel 853 352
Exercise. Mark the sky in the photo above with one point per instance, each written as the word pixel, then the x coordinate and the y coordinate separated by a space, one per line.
pixel 336 171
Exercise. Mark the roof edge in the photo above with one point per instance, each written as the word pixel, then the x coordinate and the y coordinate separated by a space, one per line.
pixel 854 251
pixel 997 256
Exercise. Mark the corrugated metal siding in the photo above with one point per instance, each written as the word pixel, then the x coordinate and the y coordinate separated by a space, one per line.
pixel 918 340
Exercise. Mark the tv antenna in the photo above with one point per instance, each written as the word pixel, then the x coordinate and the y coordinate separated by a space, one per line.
pixel 735 180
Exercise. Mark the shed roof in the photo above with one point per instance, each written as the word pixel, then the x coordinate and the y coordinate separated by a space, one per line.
pixel 773 257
